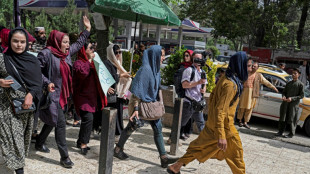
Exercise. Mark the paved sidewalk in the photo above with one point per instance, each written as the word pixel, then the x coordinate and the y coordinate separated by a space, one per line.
pixel 261 155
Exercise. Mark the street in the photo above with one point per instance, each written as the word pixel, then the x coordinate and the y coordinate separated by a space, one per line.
pixel 262 154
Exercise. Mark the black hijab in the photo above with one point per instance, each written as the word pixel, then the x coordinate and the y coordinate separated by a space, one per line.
pixel 27 66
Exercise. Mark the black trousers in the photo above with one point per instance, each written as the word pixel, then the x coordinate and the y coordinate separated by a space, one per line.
pixel 60 134
pixel 35 121
pixel 86 127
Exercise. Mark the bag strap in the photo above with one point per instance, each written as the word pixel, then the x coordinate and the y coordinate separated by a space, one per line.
pixel 50 64
pixel 160 96
pixel 20 78
pixel 193 73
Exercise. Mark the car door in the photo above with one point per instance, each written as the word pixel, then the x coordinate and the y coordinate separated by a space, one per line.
pixel 269 101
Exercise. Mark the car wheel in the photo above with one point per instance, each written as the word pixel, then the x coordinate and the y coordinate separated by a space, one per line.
pixel 307 126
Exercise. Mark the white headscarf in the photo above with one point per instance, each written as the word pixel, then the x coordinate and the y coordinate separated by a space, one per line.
pixel 112 58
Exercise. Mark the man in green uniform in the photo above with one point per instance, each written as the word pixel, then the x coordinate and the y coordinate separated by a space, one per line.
pixel 292 93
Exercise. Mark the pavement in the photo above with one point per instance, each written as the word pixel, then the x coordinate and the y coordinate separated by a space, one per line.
pixel 263 153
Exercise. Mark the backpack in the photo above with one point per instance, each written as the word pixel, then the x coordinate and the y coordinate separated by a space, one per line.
pixel 178 80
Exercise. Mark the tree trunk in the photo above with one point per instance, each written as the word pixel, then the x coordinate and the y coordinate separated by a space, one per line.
pixel 302 22
pixel 102 35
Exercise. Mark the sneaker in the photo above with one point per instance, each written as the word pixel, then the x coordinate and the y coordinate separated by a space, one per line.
pixel 279 134
pixel 120 154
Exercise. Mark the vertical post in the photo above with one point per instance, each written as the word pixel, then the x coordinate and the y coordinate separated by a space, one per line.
pixel 128 34
pixel 16 13
pixel 176 125
pixel 180 37
pixel 158 32
pixel 115 24
pixel 140 32
pixel 107 140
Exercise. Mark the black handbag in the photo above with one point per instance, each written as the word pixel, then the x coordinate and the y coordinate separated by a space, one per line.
pixel 112 98
pixel 18 102
pixel 46 100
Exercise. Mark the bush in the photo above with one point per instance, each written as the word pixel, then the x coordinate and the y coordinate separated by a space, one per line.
pixel 136 62
pixel 210 75
pixel 173 65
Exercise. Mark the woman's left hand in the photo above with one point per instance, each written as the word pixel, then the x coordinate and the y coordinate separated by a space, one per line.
pixel 135 114
pixel 28 101
pixel 86 23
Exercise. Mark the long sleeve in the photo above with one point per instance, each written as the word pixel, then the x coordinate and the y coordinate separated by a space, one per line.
pixel 81 69
pixel 266 82
pixel 300 93
pixel 76 46
pixel 44 64
pixel 222 109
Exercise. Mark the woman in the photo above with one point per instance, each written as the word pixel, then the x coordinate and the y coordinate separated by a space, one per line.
pixel 59 84
pixel 186 130
pixel 121 85
pixel 16 130
pixel 88 96
pixel 220 139
pixel 4 37
pixel 145 87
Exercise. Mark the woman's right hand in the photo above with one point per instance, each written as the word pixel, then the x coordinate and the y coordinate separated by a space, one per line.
pixel 110 91
pixel 135 114
pixel 126 75
pixel 51 87
pixel 6 83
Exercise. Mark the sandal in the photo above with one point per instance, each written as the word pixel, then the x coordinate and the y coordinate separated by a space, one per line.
pixel 172 172
pixel 240 124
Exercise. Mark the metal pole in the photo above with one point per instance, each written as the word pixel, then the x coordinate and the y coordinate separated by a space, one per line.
pixel 107 140
pixel 133 44
pixel 176 125
pixel 16 13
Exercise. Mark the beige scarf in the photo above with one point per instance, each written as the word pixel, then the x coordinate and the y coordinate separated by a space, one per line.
pixel 124 83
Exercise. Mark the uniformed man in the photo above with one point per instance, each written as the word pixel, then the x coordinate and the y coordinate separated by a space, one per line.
pixel 292 93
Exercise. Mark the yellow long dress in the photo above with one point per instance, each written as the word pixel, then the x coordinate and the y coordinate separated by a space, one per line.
pixel 220 125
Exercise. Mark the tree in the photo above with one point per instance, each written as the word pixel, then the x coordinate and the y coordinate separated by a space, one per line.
pixel 302 22
pixel 42 21
pixel 102 35
pixel 6 15
pixel 68 20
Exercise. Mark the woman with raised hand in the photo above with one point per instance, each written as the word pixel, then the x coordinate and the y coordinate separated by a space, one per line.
pixel 145 87
pixel 58 49
pixel 16 129
pixel 88 96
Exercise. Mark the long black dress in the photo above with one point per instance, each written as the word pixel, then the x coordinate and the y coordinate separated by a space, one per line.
pixel 120 102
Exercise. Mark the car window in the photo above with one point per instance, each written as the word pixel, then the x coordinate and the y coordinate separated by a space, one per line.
pixel 276 81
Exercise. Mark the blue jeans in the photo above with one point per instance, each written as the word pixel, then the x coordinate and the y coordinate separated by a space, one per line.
pixel 157 130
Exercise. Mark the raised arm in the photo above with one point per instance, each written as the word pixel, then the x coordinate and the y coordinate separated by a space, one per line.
pixel 75 47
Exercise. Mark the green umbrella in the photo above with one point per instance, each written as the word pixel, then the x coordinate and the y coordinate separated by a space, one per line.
pixel 145 11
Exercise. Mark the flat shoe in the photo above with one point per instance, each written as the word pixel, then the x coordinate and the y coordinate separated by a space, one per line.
pixel 172 172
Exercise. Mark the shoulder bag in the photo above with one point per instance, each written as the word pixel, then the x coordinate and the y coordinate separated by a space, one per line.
pixel 152 110
pixel 18 102
pixel 46 100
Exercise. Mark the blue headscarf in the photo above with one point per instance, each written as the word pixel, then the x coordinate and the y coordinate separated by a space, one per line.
pixel 146 83
pixel 237 71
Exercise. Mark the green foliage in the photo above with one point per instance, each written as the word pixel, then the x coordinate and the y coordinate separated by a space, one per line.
pixel 173 64
pixel 68 20
pixel 136 62
pixel 214 50
pixel 6 13
pixel 210 75
pixel 42 21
